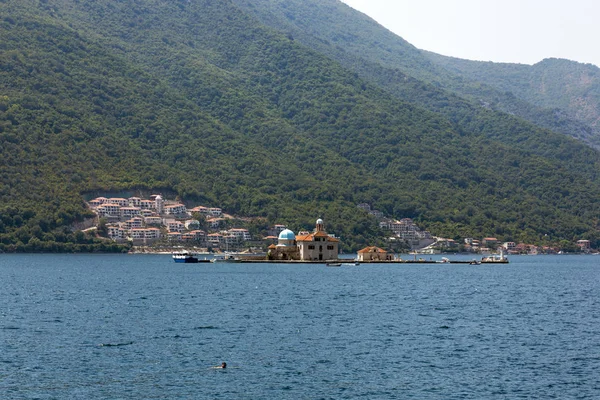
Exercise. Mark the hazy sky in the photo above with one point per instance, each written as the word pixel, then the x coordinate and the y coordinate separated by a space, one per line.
pixel 519 31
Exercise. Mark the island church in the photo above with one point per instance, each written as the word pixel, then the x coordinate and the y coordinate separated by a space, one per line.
pixel 316 246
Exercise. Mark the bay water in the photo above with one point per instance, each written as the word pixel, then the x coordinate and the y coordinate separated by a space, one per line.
pixel 143 327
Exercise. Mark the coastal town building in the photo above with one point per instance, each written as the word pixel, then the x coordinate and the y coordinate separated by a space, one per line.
pixel 230 241
pixel 174 236
pixel 135 202
pixel 275 230
pixel 97 202
pixel 318 245
pixel 147 205
pixel 187 237
pixel 109 210
pixel 286 248
pixel 153 220
pixel 214 240
pixel 509 245
pixel 137 219
pixel 138 233
pixel 198 235
pixel 373 253
pixel 315 246
pixel 115 232
pixel 489 242
pixel 128 212
pixel 159 203
pixel 147 213
pixel 207 211
pixel 405 229
pixel 215 211
pixel 408 231
pixel 175 209
pixel 121 202
pixel 152 233
pixel 446 244
pixel 174 225
pixel 133 223
pixel 240 234
pixel 584 245
pixel 199 209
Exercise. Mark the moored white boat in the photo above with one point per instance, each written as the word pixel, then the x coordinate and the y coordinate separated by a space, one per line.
pixel 186 257
pixel 224 258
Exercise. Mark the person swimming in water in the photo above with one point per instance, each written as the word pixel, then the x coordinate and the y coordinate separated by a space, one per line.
pixel 222 366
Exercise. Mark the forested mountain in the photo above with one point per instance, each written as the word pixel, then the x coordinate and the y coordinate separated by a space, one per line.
pixel 561 85
pixel 206 99
pixel 379 56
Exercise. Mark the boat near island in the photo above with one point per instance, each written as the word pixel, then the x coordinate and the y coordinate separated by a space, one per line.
pixel 187 257
pixel 225 257
pixel 495 259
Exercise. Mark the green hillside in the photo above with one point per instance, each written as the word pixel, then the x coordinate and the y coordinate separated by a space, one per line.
pixel 202 99
pixel 379 56
pixel 566 86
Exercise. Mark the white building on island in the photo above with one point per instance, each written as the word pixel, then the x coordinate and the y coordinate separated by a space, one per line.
pixel 316 246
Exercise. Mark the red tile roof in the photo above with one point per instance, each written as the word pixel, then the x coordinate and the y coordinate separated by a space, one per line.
pixel 371 249
pixel 311 237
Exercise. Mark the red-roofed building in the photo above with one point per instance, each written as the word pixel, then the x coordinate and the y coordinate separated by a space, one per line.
pixel 373 253
pixel 97 202
pixel 118 200
pixel 214 239
pixel 173 236
pixel 175 209
pixel 489 241
pixel 152 233
pixel 109 210
pixel 318 246
pixel 584 245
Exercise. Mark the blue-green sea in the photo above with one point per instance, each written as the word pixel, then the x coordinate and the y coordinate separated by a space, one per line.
pixel 143 327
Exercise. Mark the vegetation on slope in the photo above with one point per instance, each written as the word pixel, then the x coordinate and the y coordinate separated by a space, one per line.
pixel 570 89
pixel 379 56
pixel 200 98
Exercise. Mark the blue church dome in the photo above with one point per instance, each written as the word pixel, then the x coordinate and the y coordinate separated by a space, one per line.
pixel 286 234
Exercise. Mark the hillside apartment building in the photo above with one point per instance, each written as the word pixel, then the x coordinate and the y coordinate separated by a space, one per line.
pixel 147 220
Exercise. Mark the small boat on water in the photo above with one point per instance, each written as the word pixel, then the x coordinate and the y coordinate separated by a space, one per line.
pixel 333 264
pixel 495 259
pixel 356 263
pixel 224 258
pixel 187 257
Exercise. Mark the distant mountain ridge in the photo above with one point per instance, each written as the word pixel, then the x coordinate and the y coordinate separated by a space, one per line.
pixel 359 43
pixel 206 99
pixel 557 84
